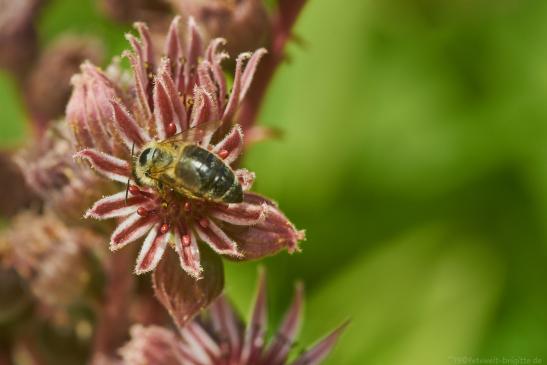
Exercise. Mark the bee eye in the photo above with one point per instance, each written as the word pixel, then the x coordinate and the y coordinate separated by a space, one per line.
pixel 143 158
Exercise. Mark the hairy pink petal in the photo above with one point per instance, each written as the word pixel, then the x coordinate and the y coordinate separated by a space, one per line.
pixel 226 323
pixel 131 229
pixel 241 214
pixel 187 249
pixel 204 111
pixel 254 198
pixel 232 143
pixel 182 295
pixel 168 107
pixel 319 352
pixel 200 343
pixel 147 48
pixel 249 72
pixel 246 178
pixel 207 83
pixel 76 114
pixel 233 101
pixel 192 53
pixel 112 167
pixel 216 58
pixel 284 339
pixel 141 82
pixel 268 237
pixel 152 250
pixel 256 328
pixel 173 46
pixel 130 132
pixel 152 345
pixel 115 206
pixel 211 234
pixel 99 91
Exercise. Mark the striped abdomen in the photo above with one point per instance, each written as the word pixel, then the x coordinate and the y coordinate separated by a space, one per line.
pixel 206 176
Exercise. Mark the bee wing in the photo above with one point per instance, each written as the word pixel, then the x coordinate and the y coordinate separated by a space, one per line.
pixel 198 134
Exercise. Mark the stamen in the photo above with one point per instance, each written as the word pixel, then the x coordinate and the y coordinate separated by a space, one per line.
pixel 164 228
pixel 142 211
pixel 204 222
pixel 186 240
pixel 171 129
pixel 223 154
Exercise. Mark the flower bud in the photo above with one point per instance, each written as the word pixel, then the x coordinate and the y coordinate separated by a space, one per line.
pixel 244 24
pixel 48 87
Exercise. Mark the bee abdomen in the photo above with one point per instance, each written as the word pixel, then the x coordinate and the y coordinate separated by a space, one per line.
pixel 207 176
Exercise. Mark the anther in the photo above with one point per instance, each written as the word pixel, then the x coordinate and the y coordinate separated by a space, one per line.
pixel 204 222
pixel 142 211
pixel 186 240
pixel 134 190
pixel 223 154
pixel 164 228
pixel 171 129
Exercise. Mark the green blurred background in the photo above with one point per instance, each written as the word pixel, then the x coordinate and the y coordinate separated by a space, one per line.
pixel 415 156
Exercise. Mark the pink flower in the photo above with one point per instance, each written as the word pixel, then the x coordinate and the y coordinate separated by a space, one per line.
pixel 221 338
pixel 185 89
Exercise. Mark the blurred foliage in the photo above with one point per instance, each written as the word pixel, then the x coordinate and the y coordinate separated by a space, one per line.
pixel 415 155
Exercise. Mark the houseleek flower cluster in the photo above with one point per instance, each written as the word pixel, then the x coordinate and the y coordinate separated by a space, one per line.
pixel 112 118
pixel 84 165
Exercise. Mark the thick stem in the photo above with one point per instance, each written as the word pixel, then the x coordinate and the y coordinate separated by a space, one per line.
pixel 113 320
pixel 283 21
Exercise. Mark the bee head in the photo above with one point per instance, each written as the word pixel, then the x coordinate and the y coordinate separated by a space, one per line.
pixel 150 159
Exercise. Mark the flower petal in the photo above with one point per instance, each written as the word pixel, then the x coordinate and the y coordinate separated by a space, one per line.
pixel 215 58
pixel 76 113
pixel 131 229
pixel 256 328
pixel 173 46
pixel 112 167
pixel 246 178
pixel 232 143
pixel 167 105
pixel 146 42
pixel 115 206
pixel 200 344
pixel 318 352
pixel 281 344
pixel 233 101
pixel 130 132
pixel 152 345
pixel 203 111
pixel 182 295
pixel 193 51
pixel 187 248
pixel 241 214
pixel 205 73
pixel 152 250
pixel 249 72
pixel 228 326
pixel 255 198
pixel 268 237
pixel 211 234
pixel 141 84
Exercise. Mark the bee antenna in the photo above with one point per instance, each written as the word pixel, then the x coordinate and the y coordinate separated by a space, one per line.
pixel 129 179
pixel 127 190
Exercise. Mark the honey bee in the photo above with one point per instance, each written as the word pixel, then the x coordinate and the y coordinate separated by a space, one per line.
pixel 178 163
